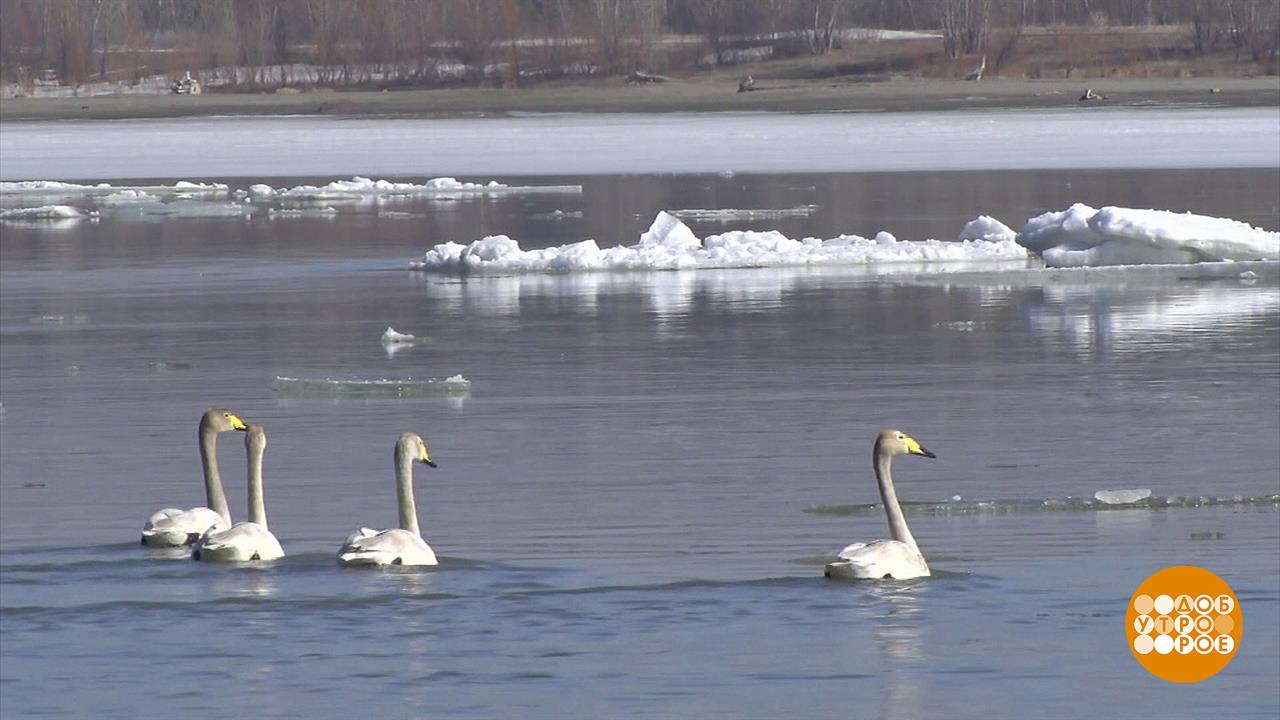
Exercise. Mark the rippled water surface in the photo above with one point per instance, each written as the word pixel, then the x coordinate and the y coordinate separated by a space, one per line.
pixel 635 500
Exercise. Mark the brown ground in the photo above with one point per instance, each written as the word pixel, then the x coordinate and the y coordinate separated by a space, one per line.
pixel 702 94
pixel 1026 68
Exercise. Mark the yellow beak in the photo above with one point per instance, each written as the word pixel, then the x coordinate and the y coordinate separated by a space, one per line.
pixel 426 458
pixel 915 448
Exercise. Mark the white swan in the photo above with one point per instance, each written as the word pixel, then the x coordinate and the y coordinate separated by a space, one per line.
pixel 249 540
pixel 900 557
pixel 398 546
pixel 172 527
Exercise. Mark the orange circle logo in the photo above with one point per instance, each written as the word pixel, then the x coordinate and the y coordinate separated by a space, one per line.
pixel 1184 624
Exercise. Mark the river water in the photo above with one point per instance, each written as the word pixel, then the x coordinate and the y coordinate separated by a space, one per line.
pixel 634 501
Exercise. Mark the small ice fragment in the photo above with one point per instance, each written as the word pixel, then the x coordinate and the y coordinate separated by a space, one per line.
pixel 956 498
pixel 391 337
pixel 360 387
pixel 1122 497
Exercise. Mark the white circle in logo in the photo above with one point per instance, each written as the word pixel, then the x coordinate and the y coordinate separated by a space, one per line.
pixel 1184 644
pixel 1224 644
pixel 1164 643
pixel 1143 644
pixel 1164 604
pixel 1143 624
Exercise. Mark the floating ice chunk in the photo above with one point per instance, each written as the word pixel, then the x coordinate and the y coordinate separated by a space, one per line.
pixel 128 196
pixel 43 212
pixel 985 227
pixel 324 211
pixel 668 232
pixel 391 337
pixel 43 186
pixel 1069 228
pixel 558 215
pixel 186 209
pixel 1208 237
pixel 1122 497
pixel 669 245
pixel 738 214
pixel 383 387
pixel 55 188
pixel 188 186
pixel 363 186
pixel 1083 236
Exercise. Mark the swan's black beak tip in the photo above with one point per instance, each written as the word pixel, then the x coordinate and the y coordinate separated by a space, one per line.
pixel 927 454
pixel 431 463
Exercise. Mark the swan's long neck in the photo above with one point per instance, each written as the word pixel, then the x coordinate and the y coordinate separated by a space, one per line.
pixel 898 529
pixel 404 490
pixel 213 495
pixel 257 504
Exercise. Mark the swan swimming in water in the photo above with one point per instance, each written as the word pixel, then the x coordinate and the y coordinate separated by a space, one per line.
pixel 172 527
pixel 249 540
pixel 900 557
pixel 397 546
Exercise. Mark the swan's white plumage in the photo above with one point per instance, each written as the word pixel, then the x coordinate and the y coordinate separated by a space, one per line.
pixel 900 557
pixel 172 527
pixel 879 559
pixel 250 540
pixel 242 542
pixel 386 547
pixel 395 546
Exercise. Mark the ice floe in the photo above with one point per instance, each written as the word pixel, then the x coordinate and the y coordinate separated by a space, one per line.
pixel 987 228
pixel 201 200
pixel 377 387
pixel 362 186
pixel 1002 506
pixel 394 341
pixel 741 214
pixel 1085 236
pixel 43 212
pixel 393 337
pixel 55 188
pixel 323 211
pixel 1122 497
pixel 121 197
pixel 669 244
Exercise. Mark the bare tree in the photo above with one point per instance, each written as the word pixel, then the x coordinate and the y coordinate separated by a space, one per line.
pixel 822 34
pixel 711 17
pixel 965 24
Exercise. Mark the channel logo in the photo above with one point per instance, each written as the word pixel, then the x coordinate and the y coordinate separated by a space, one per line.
pixel 1184 624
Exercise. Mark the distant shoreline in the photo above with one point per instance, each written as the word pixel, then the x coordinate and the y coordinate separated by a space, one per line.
pixel 697 95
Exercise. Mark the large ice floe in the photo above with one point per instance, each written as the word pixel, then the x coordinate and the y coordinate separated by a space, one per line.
pixel 1084 236
pixel 186 199
pixel 55 188
pixel 42 212
pixel 358 187
pixel 670 245
pixel 1076 237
